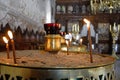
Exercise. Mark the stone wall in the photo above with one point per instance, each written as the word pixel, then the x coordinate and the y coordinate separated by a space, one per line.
pixel 31 14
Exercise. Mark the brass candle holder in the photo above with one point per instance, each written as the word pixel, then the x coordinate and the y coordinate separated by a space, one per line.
pixel 89 39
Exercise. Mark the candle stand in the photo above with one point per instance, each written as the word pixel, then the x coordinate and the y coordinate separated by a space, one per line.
pixel 114 32
pixel 41 65
pixel 52 38
pixel 114 47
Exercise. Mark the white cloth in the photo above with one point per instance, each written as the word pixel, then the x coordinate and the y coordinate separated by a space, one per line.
pixel 68 36
pixel 85 30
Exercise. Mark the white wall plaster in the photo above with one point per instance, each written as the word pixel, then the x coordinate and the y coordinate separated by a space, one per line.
pixel 25 13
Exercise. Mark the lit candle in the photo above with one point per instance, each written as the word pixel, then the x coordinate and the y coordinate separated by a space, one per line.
pixel 7 46
pixel 67 43
pixel 89 38
pixel 81 41
pixel 13 46
pixel 70 38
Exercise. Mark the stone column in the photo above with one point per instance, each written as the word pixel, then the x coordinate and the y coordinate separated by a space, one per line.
pixel 50 10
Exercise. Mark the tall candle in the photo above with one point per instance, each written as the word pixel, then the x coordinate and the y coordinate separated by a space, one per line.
pixel 81 41
pixel 13 46
pixel 89 38
pixel 7 46
pixel 67 43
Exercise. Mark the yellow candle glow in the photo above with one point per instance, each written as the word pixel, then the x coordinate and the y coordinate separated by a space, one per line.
pixel 5 39
pixel 81 41
pixel 10 34
pixel 89 39
pixel 13 46
pixel 7 46
pixel 87 22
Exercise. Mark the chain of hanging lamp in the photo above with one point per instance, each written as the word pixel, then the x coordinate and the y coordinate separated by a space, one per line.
pixel 103 5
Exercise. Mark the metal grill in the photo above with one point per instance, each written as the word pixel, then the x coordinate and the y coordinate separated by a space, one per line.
pixel 31 73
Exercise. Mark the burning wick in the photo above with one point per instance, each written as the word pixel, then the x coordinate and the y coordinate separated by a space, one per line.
pixel 67 43
pixel 7 46
pixel 81 41
pixel 89 38
pixel 13 46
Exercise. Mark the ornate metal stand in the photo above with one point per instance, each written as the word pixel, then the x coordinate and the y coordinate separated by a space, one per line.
pixel 103 72
pixel 114 48
pixel 115 32
pixel 44 68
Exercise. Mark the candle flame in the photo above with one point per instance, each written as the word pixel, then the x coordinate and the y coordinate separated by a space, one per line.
pixel 81 40
pixel 87 22
pixel 5 40
pixel 10 34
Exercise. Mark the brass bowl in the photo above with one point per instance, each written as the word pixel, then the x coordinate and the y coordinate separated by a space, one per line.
pixel 52 43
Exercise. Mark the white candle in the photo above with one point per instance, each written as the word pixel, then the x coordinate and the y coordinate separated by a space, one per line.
pixel 81 40
pixel 89 38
